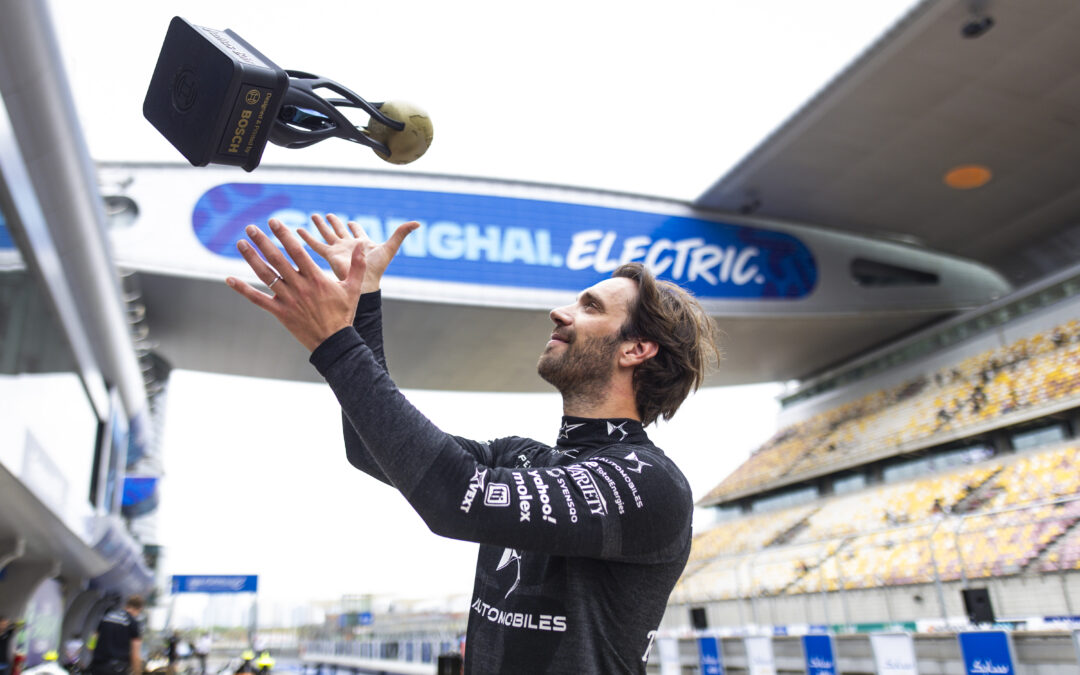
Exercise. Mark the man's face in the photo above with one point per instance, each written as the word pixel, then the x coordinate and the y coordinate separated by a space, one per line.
pixel 581 354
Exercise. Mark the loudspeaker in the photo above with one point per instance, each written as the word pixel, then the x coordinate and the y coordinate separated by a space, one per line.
pixel 977 605
pixel 698 619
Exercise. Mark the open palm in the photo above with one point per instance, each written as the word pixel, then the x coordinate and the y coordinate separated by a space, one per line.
pixel 340 240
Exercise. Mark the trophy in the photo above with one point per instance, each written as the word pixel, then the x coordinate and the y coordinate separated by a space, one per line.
pixel 219 100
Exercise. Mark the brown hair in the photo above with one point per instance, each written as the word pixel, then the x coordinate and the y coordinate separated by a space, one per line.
pixel 686 337
pixel 134 602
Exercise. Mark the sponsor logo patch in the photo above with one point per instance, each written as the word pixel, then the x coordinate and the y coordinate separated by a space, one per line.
pixel 542 622
pixel 510 556
pixel 497 494
pixel 632 457
pixel 590 491
pixel 476 484
pixel 612 428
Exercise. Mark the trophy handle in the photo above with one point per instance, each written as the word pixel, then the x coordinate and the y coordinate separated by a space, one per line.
pixel 305 117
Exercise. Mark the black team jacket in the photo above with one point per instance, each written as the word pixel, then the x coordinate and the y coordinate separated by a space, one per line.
pixel 581 543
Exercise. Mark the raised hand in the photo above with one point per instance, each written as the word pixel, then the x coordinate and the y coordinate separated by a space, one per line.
pixel 311 306
pixel 340 240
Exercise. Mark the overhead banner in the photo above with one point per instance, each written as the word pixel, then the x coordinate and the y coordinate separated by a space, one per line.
pixel 819 654
pixel 759 655
pixel 894 654
pixel 710 656
pixel 987 653
pixel 218 583
pixel 524 243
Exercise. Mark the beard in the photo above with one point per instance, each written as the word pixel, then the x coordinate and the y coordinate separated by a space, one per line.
pixel 583 370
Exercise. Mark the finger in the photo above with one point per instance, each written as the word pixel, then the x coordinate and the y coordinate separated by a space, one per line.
pixel 259 299
pixel 314 243
pixel 358 231
pixel 271 252
pixel 339 227
pixel 263 271
pixel 403 230
pixel 294 248
pixel 354 281
pixel 324 229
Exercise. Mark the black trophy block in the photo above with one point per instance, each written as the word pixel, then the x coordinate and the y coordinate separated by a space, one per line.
pixel 214 96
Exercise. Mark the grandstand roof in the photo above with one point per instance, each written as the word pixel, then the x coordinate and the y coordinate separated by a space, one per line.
pixel 868 154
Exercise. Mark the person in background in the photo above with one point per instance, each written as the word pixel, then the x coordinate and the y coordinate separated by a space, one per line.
pixel 172 648
pixel 118 643
pixel 247 662
pixel 7 631
pixel 72 657
pixel 202 651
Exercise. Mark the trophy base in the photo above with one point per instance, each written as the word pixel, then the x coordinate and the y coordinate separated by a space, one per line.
pixel 214 96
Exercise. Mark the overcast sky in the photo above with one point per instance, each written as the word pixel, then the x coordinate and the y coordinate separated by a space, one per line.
pixel 639 97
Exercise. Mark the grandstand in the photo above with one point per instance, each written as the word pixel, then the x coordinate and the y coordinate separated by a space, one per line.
pixel 943 461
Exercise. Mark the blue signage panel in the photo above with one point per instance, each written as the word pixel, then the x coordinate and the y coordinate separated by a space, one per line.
pixel 986 653
pixel 709 652
pixel 5 236
pixel 525 243
pixel 215 583
pixel 818 651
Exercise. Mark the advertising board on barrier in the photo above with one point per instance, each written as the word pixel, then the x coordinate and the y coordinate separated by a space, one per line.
pixel 526 243
pixel 987 653
pixel 669 656
pixel 709 655
pixel 819 654
pixel 759 655
pixel 894 654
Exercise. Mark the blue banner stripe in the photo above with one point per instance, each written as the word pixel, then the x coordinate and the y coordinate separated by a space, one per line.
pixel 525 243
pixel 219 583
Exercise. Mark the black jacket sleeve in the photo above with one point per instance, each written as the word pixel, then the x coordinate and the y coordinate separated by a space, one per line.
pixel 368 323
pixel 629 504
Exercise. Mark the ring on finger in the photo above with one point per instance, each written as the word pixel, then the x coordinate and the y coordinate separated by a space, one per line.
pixel 276 279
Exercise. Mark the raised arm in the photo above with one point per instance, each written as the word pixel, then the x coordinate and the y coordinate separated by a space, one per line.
pixel 625 503
pixel 339 241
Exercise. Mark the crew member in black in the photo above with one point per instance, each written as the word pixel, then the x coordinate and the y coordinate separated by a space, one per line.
pixel 7 631
pixel 118 645
pixel 581 542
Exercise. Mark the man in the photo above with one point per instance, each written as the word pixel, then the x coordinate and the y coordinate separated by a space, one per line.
pixel 202 651
pixel 581 543
pixel 7 631
pixel 172 653
pixel 118 643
